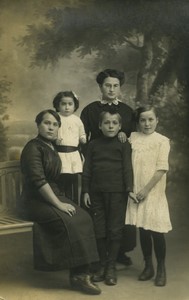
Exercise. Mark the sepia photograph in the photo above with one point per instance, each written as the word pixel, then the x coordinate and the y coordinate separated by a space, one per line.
pixel 94 139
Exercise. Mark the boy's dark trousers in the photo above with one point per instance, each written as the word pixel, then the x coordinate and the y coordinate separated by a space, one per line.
pixel 108 213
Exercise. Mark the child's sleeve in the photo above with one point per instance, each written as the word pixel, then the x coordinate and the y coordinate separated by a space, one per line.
pixel 163 155
pixel 85 120
pixel 127 167
pixel 82 134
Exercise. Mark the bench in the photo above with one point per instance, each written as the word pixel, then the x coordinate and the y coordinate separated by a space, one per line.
pixel 10 189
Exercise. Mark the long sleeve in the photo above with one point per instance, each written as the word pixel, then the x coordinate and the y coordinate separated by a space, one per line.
pixel 127 167
pixel 40 164
pixel 87 170
pixel 32 166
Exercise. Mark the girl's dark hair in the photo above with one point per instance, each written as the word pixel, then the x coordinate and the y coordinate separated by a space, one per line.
pixel 103 113
pixel 145 108
pixel 110 73
pixel 57 99
pixel 39 117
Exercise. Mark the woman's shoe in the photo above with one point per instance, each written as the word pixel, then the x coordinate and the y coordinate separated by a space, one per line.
pixel 83 283
pixel 148 271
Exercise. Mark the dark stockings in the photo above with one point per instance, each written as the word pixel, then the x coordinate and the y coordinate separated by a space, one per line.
pixel 146 237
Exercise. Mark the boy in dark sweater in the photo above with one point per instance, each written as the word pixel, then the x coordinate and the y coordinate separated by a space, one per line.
pixel 107 180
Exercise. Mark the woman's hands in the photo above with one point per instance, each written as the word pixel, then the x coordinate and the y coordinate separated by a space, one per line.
pixel 122 137
pixel 87 200
pixel 67 208
pixel 50 197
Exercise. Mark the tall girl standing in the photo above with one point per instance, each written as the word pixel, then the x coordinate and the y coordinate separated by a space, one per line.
pixel 148 209
pixel 70 135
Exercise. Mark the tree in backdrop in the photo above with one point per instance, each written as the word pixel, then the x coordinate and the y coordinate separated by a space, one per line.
pixel 147 39
pixel 4 101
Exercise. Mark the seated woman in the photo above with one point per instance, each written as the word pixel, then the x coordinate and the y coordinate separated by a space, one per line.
pixel 63 232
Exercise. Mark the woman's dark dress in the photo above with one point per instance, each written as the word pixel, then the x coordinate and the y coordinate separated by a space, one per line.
pixel 60 241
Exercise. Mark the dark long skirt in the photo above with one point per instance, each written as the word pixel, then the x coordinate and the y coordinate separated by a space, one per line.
pixel 61 241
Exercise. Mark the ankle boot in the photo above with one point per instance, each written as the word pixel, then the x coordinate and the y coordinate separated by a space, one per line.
pixel 160 279
pixel 83 283
pixel 110 274
pixel 148 271
pixel 99 274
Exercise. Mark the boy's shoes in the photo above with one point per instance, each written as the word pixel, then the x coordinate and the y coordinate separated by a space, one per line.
pixel 83 283
pixel 110 275
pixel 124 259
pixel 99 275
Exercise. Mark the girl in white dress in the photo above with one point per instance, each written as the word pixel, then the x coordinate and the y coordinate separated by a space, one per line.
pixel 148 207
pixel 70 135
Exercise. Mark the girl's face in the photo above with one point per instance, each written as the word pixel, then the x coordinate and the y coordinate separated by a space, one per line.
pixel 110 125
pixel 67 106
pixel 110 88
pixel 48 128
pixel 148 122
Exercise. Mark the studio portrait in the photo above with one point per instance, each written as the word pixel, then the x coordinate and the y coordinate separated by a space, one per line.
pixel 94 139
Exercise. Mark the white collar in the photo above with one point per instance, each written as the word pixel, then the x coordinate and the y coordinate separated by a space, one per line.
pixel 115 102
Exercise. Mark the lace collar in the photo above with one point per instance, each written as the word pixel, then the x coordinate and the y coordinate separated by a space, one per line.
pixel 115 102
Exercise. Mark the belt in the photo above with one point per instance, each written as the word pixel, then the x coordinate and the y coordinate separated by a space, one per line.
pixel 66 149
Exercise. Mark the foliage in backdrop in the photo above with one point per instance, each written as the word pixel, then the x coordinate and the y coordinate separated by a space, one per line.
pixel 149 40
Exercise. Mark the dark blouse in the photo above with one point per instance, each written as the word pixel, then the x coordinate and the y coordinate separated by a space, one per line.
pixel 90 118
pixel 40 165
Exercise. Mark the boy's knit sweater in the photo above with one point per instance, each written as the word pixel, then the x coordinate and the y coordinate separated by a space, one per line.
pixel 107 166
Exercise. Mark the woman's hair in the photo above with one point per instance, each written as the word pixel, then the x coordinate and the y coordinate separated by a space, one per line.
pixel 57 99
pixel 113 112
pixel 110 73
pixel 39 117
pixel 145 108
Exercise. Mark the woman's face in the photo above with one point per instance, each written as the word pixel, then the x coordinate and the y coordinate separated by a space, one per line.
pixel 48 128
pixel 110 88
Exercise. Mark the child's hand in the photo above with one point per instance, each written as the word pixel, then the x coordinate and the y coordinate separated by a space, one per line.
pixel 86 199
pixel 58 141
pixel 122 137
pixel 133 197
pixel 83 139
pixel 142 195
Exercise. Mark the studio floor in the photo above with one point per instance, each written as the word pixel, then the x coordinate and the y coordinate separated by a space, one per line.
pixel 19 281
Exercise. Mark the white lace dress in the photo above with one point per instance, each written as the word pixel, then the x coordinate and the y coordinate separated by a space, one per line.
pixel 70 132
pixel 149 154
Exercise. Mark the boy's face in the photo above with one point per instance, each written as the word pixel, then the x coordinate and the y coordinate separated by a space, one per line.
pixel 110 125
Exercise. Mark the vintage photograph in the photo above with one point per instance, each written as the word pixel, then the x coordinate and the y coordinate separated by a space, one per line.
pixel 94 139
